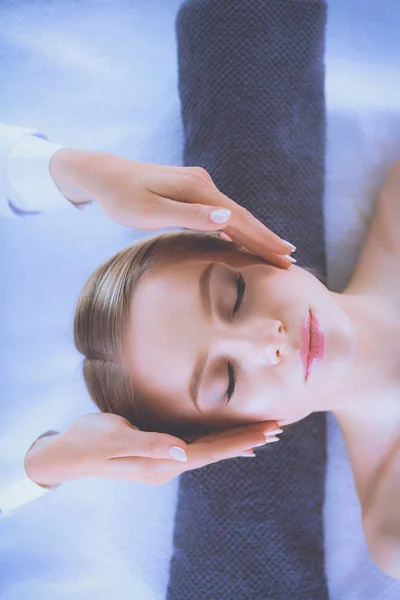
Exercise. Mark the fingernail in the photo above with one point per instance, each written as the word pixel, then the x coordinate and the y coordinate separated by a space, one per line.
pixel 293 247
pixel 260 444
pixel 220 216
pixel 177 454
pixel 246 455
pixel 274 432
pixel 274 439
pixel 293 260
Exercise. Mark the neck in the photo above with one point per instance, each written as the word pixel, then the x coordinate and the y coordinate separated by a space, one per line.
pixel 375 366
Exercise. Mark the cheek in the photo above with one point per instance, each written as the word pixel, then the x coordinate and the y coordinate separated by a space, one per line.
pixel 273 404
pixel 272 292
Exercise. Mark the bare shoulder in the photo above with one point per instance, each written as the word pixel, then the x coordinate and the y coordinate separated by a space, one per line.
pixel 373 445
pixel 380 257
pixel 381 516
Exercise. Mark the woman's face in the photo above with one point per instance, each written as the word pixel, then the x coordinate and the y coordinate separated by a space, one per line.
pixel 216 340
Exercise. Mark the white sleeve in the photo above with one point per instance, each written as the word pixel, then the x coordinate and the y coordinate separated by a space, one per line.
pixel 26 185
pixel 16 488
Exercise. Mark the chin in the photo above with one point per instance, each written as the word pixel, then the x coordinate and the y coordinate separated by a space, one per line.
pixel 292 420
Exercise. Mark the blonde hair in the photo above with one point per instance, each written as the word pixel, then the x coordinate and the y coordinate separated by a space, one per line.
pixel 101 317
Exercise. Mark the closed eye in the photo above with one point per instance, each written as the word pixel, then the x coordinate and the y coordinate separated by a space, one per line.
pixel 232 382
pixel 241 292
pixel 232 378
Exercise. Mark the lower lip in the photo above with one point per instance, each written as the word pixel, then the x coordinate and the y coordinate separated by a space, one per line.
pixel 312 338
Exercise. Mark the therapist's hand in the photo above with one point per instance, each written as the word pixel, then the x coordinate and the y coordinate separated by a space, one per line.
pixel 148 196
pixel 107 446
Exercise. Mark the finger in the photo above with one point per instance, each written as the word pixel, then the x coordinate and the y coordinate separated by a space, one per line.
pixel 201 454
pixel 278 260
pixel 201 217
pixel 243 226
pixel 223 236
pixel 264 427
pixel 246 228
pixel 143 470
pixel 247 453
pixel 273 258
pixel 255 237
pixel 228 444
pixel 135 443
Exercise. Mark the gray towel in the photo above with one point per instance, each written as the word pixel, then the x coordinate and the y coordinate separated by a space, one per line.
pixel 251 78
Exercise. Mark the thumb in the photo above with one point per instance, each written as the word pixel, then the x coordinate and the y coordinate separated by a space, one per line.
pixel 201 217
pixel 142 444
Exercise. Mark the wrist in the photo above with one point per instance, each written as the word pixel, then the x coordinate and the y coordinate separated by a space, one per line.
pixel 41 461
pixel 69 170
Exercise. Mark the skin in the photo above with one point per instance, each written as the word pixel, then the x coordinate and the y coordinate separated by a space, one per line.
pixel 147 196
pixel 358 378
pixel 265 333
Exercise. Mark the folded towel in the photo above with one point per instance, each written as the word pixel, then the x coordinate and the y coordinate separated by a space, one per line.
pixel 252 92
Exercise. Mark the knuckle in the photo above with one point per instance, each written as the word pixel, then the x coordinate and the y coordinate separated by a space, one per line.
pixel 195 211
pixel 200 175
pixel 244 213
pixel 154 442
pixel 120 449
pixel 114 431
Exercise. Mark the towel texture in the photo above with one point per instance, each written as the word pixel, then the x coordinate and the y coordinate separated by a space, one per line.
pixel 251 81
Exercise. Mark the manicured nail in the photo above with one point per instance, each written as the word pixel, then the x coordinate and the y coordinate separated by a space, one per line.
pixel 260 444
pixel 246 455
pixel 274 432
pixel 274 439
pixel 293 247
pixel 220 216
pixel 293 260
pixel 177 454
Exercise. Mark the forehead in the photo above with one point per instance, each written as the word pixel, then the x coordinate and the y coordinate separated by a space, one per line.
pixel 166 289
pixel 168 275
pixel 164 323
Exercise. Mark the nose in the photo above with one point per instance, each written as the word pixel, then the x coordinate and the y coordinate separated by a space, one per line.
pixel 264 343
pixel 271 343
pixel 275 345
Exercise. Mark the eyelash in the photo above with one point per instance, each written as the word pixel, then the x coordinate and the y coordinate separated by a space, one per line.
pixel 232 382
pixel 241 291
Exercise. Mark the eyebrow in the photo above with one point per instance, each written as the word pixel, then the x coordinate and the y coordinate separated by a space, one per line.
pixel 205 301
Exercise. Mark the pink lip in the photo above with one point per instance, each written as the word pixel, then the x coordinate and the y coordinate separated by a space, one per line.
pixel 313 343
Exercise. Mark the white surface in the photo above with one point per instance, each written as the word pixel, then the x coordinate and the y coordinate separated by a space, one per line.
pixel 102 75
